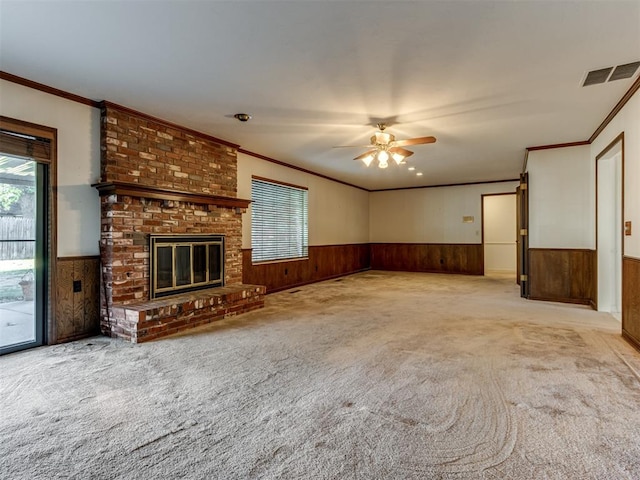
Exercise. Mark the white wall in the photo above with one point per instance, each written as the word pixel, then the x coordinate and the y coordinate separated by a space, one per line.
pixel 338 214
pixel 561 198
pixel 430 215
pixel 627 121
pixel 78 128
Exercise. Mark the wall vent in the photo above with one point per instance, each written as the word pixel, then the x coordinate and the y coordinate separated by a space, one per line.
pixel 603 75
pixel 624 71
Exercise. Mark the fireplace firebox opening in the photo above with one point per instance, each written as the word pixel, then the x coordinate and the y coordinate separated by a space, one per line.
pixel 185 263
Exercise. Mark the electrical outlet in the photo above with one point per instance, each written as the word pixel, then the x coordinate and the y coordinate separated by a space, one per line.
pixel 77 286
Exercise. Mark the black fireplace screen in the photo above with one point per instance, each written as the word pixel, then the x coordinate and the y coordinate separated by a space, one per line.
pixel 186 263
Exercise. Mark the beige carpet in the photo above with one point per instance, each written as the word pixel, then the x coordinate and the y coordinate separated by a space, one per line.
pixel 375 376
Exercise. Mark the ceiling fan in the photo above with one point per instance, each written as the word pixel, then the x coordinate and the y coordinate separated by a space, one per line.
pixel 384 146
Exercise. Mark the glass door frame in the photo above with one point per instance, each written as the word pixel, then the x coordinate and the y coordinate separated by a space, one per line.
pixel 46 227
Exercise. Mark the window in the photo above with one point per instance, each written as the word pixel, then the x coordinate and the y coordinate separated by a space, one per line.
pixel 279 221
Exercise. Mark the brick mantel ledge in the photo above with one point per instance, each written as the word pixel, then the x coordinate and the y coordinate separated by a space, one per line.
pixel 146 191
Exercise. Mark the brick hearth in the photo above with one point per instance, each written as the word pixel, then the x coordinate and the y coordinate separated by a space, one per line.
pixel 141 322
pixel 158 178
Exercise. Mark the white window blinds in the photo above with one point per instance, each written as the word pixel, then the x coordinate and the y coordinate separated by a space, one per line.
pixel 279 221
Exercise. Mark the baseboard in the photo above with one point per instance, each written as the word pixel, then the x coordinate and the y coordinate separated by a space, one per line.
pixel 79 336
pixel 575 301
pixel 634 342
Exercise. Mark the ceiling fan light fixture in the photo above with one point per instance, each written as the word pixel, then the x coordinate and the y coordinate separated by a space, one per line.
pixel 384 147
pixel 367 160
pixel 382 138
pixel 383 156
pixel 398 158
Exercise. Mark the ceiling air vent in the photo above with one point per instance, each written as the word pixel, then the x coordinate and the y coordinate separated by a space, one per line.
pixel 624 71
pixel 601 75
pixel 597 76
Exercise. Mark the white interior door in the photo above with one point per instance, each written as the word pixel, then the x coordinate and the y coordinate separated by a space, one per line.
pixel 610 232
pixel 499 224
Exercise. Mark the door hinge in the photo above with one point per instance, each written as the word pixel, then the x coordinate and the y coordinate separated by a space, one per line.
pixel 523 186
pixel 524 278
pixel 523 232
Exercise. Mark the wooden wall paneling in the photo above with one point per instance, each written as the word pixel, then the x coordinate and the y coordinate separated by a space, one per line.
pixel 631 300
pixel 324 262
pixel 428 257
pixel 78 297
pixel 77 313
pixel 64 306
pixel 562 275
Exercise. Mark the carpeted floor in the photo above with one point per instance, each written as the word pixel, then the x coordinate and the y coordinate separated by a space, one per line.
pixel 378 375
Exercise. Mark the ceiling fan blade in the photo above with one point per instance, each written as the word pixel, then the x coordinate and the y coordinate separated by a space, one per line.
pixel 414 141
pixel 366 154
pixel 402 151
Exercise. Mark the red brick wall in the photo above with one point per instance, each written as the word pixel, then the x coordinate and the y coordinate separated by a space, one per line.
pixel 136 149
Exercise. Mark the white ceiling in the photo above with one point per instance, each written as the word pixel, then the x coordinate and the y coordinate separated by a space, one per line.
pixel 488 79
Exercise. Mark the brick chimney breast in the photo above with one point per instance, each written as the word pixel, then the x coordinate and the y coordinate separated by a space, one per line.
pixel 144 152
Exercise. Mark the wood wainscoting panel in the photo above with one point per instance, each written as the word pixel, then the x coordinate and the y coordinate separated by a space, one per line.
pixel 77 313
pixel 562 275
pixel 324 262
pixel 631 300
pixel 428 257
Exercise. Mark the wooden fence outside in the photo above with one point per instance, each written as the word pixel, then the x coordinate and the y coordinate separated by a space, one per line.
pixel 17 228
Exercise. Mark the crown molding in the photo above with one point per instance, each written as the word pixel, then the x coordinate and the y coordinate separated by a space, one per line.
pixel 300 169
pixel 9 77
pixel 448 185
pixel 558 145
pixel 623 101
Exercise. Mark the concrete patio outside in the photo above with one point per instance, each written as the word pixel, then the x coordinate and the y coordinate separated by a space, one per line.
pixel 16 322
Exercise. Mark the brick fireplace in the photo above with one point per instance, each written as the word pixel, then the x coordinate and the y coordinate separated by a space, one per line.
pixel 160 179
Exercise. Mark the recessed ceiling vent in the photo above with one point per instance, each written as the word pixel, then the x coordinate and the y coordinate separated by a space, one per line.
pixel 624 71
pixel 603 75
pixel 597 76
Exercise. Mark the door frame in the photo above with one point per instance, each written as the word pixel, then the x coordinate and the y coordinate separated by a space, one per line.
pixel 523 234
pixel 49 331
pixel 602 154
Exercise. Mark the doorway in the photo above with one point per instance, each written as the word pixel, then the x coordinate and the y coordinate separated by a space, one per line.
pixel 499 229
pixel 609 246
pixel 24 239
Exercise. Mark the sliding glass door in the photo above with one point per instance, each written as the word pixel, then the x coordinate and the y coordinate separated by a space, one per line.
pixel 23 247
